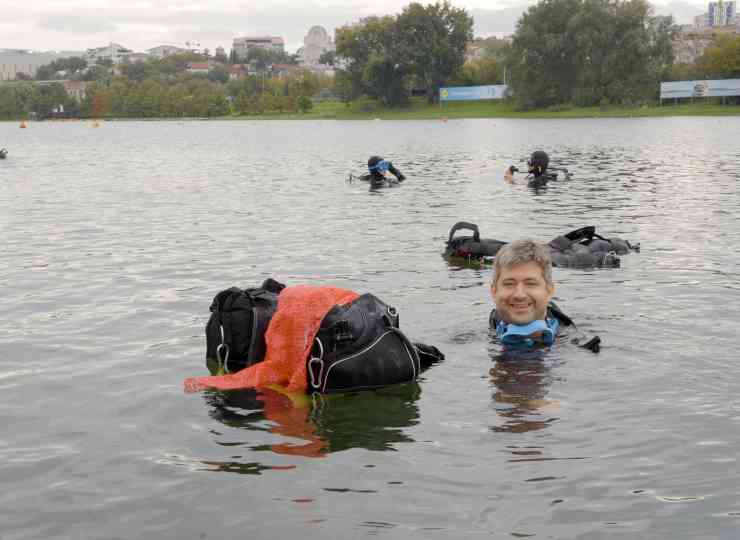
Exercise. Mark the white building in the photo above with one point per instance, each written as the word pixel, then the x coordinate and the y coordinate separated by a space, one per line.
pixel 165 50
pixel 316 43
pixel 13 61
pixel 271 43
pixel 114 52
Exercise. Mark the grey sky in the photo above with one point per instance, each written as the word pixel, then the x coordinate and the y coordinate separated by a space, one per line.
pixel 142 24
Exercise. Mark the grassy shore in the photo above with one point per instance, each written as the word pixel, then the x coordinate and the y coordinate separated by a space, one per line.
pixel 419 110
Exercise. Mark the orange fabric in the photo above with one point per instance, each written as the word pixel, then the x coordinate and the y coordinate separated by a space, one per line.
pixel 289 338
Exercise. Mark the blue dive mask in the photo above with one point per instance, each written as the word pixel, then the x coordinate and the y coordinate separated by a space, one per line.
pixel 381 166
pixel 522 334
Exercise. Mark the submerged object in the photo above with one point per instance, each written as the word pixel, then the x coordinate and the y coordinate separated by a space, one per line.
pixel 581 248
pixel 3 153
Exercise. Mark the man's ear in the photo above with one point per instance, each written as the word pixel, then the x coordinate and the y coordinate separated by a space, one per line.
pixel 550 289
pixel 493 290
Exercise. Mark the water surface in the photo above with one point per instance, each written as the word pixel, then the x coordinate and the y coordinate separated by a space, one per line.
pixel 115 240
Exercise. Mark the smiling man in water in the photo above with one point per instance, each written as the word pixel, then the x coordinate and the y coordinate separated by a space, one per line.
pixel 522 288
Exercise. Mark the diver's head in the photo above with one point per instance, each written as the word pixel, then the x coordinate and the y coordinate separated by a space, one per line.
pixel 377 166
pixel 522 282
pixel 538 162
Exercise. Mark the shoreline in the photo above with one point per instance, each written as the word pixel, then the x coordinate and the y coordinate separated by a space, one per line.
pixel 367 110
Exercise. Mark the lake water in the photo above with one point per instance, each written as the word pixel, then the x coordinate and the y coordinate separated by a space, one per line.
pixel 115 239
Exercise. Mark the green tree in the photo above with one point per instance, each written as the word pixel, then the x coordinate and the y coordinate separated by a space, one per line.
pixel 304 104
pixel 373 61
pixel 327 58
pixel 589 51
pixel 70 66
pixel 486 70
pixel 219 74
pixel 433 39
pixel 721 61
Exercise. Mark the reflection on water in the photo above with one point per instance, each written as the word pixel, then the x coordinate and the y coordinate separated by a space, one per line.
pixel 374 420
pixel 521 381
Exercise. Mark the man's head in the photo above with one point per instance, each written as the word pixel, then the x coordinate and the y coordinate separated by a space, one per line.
pixel 522 282
pixel 377 166
pixel 538 163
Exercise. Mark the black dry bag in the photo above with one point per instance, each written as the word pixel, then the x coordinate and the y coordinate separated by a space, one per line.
pixel 235 332
pixel 359 346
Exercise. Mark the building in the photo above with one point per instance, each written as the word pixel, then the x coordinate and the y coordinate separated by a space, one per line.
pixel 113 51
pixel 701 21
pixel 237 71
pixel 14 61
pixel 199 67
pixel 137 57
pixel 165 50
pixel 281 70
pixel 242 45
pixel 75 89
pixel 721 13
pixel 316 43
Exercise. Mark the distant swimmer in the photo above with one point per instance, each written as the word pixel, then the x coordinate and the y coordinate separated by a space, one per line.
pixel 537 169
pixel 524 315
pixel 380 172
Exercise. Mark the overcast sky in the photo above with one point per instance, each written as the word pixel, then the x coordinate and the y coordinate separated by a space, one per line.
pixel 142 24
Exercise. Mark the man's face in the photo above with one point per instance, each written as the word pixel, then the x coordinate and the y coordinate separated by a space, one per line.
pixel 521 294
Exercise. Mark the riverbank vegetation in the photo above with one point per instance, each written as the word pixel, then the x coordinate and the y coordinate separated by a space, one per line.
pixel 568 58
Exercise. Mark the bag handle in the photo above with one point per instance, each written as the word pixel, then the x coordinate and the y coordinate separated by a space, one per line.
pixel 464 225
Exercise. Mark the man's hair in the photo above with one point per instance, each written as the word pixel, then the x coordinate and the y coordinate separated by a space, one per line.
pixel 522 252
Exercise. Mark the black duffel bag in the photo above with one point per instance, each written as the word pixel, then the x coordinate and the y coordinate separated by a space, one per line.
pixel 360 346
pixel 235 332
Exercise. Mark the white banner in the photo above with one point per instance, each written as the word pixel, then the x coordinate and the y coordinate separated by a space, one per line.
pixel 688 89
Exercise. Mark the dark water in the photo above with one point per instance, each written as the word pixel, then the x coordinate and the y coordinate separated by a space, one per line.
pixel 115 240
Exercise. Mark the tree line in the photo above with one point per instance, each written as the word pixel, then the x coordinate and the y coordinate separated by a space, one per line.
pixel 563 53
pixel 158 88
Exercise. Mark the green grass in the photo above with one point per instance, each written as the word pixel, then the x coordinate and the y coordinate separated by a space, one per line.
pixel 419 110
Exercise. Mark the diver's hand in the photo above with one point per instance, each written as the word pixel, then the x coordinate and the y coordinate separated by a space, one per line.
pixel 509 174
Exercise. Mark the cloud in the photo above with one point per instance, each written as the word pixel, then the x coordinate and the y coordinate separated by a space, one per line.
pixel 75 23
pixel 142 24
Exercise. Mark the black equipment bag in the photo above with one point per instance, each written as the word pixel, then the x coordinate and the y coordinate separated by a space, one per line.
pixel 235 332
pixel 360 346
pixel 472 247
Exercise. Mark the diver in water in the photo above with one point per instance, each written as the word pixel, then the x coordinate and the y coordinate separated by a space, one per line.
pixel 537 166
pixel 524 315
pixel 3 153
pixel 381 172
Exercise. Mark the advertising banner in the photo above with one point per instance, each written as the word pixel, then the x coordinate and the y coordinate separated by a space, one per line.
pixel 692 89
pixel 472 93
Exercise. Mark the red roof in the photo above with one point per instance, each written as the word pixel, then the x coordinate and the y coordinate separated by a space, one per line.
pixel 198 65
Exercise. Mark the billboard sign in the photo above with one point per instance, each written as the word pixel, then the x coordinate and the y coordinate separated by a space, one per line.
pixel 692 89
pixel 472 93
